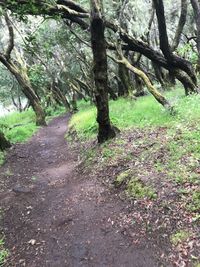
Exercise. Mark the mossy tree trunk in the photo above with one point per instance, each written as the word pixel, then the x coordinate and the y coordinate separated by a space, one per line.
pixel 20 73
pixel 28 92
pixel 158 96
pixel 106 130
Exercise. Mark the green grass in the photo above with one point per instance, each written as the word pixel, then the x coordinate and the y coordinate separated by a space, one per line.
pixel 137 189
pixel 194 205
pixel 25 129
pixel 145 112
pixel 121 178
pixel 179 236
pixel 19 127
pixel 3 253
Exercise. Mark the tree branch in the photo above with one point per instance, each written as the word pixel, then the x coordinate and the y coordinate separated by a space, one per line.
pixel 11 37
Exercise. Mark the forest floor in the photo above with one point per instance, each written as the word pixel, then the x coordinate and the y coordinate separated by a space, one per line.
pixel 55 215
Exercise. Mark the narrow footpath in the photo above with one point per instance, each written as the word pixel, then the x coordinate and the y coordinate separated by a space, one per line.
pixel 54 217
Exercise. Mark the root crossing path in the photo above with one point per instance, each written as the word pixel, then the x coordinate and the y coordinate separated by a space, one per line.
pixel 54 217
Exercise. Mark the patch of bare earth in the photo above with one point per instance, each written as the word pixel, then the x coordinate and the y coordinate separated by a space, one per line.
pixel 57 213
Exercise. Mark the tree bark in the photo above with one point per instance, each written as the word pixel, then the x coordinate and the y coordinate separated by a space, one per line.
pixel 106 130
pixel 4 143
pixel 124 76
pixel 181 24
pixel 196 8
pixel 158 96
pixel 59 96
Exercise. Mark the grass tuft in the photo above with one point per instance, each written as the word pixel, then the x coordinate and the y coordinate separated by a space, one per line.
pixel 179 237
pixel 137 189
pixel 3 252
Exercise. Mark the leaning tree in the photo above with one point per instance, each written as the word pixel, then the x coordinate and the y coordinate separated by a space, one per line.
pixel 18 70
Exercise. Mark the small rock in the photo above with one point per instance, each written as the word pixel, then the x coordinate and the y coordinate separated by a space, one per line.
pixel 32 242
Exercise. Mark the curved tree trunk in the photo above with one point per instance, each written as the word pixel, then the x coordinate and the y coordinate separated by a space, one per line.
pixel 106 130
pixel 158 96
pixel 28 92
pixel 189 86
pixel 21 75
pixel 166 49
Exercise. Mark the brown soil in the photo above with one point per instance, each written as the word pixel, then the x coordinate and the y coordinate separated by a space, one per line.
pixel 56 217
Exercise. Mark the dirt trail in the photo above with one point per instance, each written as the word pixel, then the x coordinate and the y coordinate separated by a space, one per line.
pixel 55 218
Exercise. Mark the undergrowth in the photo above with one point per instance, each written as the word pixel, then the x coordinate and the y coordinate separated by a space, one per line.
pixel 143 112
pixel 177 156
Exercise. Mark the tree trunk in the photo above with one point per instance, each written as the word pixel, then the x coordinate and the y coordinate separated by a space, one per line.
pixel 165 47
pixel 4 143
pixel 190 87
pixel 58 95
pixel 74 102
pixel 138 83
pixel 27 91
pixel 124 76
pixel 159 73
pixel 139 87
pixel 139 46
pixel 32 97
pixel 160 98
pixel 106 130
pixel 196 8
pixel 181 24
